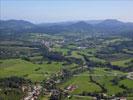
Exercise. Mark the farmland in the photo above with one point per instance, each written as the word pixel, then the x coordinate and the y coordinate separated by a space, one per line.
pixel 21 68
pixel 95 67
pixel 122 63
pixel 83 84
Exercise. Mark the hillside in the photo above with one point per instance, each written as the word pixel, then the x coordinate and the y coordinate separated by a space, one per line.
pixel 105 27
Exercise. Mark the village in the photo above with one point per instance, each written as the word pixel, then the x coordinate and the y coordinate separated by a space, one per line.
pixel 48 88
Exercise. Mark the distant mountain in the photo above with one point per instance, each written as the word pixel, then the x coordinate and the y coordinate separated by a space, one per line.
pixel 16 23
pixel 56 23
pixel 14 26
pixel 80 27
pixel 113 27
pixel 71 22
pixel 111 22
pixel 93 22
pixel 109 26
pixel 74 27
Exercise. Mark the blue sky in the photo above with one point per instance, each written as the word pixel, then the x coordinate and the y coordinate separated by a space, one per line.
pixel 66 10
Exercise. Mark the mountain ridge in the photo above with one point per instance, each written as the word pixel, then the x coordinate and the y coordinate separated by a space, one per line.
pixel 109 26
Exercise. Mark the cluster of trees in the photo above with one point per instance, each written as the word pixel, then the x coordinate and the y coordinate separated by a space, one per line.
pixel 18 49
pixel 13 82
pixel 11 88
pixel 13 94
pixel 98 96
pixel 113 50
pixel 125 93
pixel 104 90
pixel 91 63
pixel 50 85
pixel 57 56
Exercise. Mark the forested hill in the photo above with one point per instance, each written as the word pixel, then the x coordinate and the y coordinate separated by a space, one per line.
pixel 84 27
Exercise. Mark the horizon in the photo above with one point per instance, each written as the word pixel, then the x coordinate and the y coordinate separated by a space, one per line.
pixel 63 21
pixel 65 11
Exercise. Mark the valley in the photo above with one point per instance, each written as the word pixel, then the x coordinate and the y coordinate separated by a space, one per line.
pixel 74 68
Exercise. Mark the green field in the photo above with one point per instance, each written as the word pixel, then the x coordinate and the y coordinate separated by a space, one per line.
pixel 122 63
pixel 80 98
pixel 127 82
pixel 62 50
pixel 105 77
pixel 76 55
pixel 35 72
pixel 83 83
pixel 30 58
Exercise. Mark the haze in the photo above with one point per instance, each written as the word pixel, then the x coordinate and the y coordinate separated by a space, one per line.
pixel 39 11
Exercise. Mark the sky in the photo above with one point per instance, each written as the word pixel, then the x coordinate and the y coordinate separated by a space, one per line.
pixel 39 11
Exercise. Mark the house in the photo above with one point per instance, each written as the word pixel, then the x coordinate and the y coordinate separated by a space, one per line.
pixel 71 87
pixel 122 98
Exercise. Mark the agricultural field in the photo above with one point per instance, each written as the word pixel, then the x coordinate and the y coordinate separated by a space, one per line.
pixel 105 79
pixel 122 63
pixel 82 83
pixel 81 98
pixel 22 68
pixel 94 68
pixel 55 50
